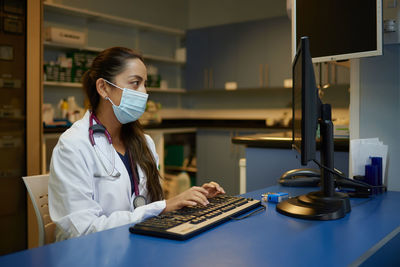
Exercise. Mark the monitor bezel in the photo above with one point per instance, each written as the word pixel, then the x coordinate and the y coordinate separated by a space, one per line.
pixel 379 37
pixel 310 104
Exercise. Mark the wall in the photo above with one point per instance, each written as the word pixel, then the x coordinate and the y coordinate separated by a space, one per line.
pixel 207 13
pixel 379 111
pixel 171 13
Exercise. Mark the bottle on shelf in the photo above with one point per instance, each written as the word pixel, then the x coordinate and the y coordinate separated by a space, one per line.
pixel 64 108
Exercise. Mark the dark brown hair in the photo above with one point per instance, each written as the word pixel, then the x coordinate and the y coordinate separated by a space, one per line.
pixel 107 65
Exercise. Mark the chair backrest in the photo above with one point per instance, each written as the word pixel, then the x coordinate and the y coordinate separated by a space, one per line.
pixel 38 192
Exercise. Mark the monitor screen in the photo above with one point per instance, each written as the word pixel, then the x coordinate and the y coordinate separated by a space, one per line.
pixel 338 29
pixel 306 103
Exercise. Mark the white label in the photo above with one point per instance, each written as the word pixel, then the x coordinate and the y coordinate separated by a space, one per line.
pixel 6 52
pixel 230 85
pixel 10 141
pixel 10 83
pixel 287 83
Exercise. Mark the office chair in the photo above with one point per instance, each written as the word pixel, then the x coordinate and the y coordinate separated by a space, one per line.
pixel 37 189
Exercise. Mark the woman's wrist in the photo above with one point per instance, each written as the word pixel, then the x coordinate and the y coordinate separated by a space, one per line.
pixel 168 206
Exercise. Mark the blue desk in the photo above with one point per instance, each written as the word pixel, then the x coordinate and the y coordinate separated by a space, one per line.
pixel 267 239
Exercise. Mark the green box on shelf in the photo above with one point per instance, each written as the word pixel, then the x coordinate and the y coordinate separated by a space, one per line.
pixel 174 155
pixel 77 74
pixel 193 180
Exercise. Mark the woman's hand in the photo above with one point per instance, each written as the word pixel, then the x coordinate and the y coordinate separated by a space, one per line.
pixel 213 189
pixel 194 196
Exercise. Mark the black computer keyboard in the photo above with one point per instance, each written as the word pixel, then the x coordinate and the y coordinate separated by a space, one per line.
pixel 189 221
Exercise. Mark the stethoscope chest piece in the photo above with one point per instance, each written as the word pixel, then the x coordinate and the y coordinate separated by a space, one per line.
pixel 139 201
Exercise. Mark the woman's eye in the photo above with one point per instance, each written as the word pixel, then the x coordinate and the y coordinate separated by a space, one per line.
pixel 135 83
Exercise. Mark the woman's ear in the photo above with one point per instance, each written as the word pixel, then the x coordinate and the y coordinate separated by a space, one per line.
pixel 101 88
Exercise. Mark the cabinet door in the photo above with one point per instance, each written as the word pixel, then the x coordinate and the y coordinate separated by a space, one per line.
pixel 197 58
pixel 264 53
pixel 278 50
pixel 252 55
pixel 223 51
pixel 218 159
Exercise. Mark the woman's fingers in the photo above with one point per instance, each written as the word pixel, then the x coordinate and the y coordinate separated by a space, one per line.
pixel 212 187
pixel 189 203
pixel 199 197
pixel 200 189
pixel 218 187
pixel 196 195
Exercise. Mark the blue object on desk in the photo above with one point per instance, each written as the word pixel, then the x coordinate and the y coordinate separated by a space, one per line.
pixel 371 174
pixel 266 239
pixel 277 197
pixel 377 161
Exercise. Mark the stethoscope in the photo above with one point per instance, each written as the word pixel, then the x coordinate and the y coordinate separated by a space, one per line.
pixel 139 200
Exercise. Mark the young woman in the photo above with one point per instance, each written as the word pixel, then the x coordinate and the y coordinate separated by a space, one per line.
pixel 104 170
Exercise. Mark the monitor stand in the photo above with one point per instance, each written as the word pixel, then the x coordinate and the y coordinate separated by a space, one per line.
pixel 325 204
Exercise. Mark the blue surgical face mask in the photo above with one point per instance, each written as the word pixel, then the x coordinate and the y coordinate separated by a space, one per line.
pixel 132 105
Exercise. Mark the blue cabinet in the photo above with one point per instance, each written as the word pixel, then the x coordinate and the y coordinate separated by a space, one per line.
pixel 253 54
pixel 197 59
pixel 223 49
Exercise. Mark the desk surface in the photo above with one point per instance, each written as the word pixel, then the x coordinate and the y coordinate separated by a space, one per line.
pixel 266 239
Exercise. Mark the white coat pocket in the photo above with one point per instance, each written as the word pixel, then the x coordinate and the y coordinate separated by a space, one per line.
pixel 112 194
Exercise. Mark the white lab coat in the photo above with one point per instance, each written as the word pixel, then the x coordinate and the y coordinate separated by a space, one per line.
pixel 81 203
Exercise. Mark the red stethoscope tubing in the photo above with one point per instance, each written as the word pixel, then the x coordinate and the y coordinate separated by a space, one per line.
pixel 135 178
pixel 93 117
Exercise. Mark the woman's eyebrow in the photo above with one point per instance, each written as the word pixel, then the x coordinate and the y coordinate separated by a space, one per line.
pixel 135 76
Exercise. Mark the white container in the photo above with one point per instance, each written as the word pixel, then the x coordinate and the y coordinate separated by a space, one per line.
pixel 180 54
pixel 242 178
pixel 231 86
pixel 64 36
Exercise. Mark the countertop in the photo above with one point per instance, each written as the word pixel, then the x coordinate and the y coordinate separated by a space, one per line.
pixel 281 140
pixel 221 118
pixel 199 122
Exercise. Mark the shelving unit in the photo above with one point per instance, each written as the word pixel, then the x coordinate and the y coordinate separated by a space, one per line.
pixel 53 45
pixel 177 168
pixel 157 43
pixel 240 90
pixel 92 15
pixel 58 46
pixel 79 85
pixel 62 84
pixel 159 135
pixel 98 28
pixel 166 90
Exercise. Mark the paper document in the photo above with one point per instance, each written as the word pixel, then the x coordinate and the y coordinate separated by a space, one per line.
pixel 362 149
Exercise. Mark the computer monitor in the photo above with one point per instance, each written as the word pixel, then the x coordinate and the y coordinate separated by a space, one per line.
pixel 305 105
pixel 338 29
pixel 308 112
